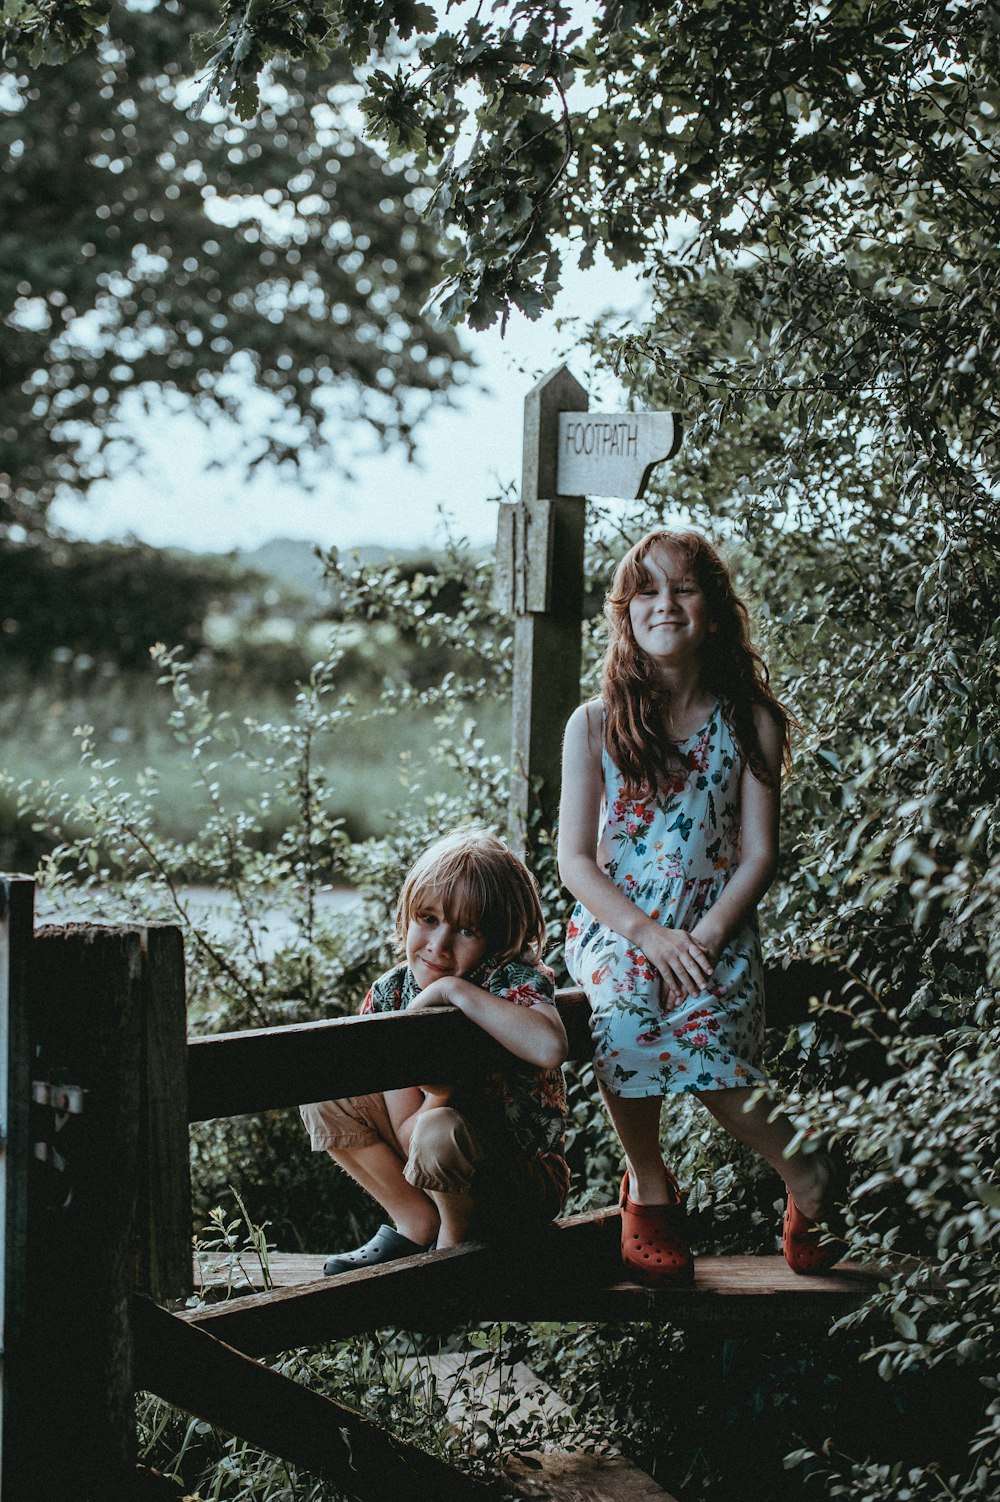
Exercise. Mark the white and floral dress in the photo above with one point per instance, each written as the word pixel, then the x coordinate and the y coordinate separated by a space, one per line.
pixel 672 855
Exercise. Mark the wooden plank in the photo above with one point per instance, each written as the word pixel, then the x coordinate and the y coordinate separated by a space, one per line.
pixel 242 1273
pixel 734 1276
pixel 16 1433
pixel 570 1272
pixel 430 1290
pixel 547 643
pixel 564 1476
pixel 264 1068
pixel 86 999
pixel 163 1265
pixel 195 1371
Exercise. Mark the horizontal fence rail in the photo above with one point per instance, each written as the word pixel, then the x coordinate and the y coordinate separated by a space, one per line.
pixel 262 1069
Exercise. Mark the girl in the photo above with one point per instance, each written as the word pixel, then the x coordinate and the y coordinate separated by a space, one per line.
pixel 446 1162
pixel 668 838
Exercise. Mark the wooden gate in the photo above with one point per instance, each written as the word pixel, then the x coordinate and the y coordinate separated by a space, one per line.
pixel 101 1085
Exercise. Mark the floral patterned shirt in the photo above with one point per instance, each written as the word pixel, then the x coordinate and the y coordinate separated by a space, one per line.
pixel 518 1100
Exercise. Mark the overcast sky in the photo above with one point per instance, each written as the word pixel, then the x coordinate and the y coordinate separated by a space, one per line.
pixel 466 456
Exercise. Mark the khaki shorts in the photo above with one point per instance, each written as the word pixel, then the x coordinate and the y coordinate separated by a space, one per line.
pixel 449 1154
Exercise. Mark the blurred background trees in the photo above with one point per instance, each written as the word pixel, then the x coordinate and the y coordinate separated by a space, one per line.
pixel 154 261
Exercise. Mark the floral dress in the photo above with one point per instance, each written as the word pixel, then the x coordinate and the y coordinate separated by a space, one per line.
pixel 672 855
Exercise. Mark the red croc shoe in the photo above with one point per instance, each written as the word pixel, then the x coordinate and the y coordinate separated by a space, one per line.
pixel 805 1246
pixel 655 1247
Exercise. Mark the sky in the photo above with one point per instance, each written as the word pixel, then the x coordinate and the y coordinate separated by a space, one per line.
pixel 467 457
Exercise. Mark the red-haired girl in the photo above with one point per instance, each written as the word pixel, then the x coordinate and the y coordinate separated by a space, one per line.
pixel 668 838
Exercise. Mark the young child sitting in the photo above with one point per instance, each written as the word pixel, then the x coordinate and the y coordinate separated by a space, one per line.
pixel 447 1162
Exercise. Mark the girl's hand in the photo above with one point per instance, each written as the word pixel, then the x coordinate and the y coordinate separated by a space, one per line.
pixel 684 965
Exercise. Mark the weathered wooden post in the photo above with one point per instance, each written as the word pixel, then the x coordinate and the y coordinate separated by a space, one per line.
pixel 17 1441
pixel 163 1251
pixel 86 1013
pixel 569 453
pixel 540 581
pixel 96 1195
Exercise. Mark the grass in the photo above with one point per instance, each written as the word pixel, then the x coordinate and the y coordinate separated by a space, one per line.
pixel 376 762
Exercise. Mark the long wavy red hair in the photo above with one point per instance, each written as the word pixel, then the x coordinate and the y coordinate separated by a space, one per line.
pixel 635 703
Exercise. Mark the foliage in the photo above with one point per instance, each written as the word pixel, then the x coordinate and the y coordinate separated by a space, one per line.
pixel 813 194
pixel 160 262
pixel 613 125
pixel 106 603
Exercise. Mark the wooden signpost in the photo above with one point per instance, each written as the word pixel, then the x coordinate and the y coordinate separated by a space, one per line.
pixel 569 453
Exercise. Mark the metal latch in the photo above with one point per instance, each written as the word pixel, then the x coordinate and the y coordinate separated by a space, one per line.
pixel 65 1100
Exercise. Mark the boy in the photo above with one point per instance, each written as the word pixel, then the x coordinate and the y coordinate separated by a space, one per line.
pixel 448 1162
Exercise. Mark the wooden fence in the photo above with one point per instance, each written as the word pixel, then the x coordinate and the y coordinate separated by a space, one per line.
pixel 101 1085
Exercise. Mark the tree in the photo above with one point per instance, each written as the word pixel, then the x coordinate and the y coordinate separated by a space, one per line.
pixel 153 258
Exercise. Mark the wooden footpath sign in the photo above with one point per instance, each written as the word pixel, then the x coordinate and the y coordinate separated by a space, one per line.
pixel 569 453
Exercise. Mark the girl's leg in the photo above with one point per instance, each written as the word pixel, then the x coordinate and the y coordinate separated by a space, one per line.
pixel 806 1175
pixel 637 1123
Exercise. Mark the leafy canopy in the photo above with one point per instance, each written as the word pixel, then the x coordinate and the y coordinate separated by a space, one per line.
pixel 151 258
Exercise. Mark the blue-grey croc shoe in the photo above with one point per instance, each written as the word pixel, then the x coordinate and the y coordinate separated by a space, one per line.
pixel 385 1246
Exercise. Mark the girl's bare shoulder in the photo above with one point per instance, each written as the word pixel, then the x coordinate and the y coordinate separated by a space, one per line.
pixel 770 735
pixel 586 723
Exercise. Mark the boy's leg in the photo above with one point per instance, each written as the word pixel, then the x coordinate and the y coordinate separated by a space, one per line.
pixel 358 1135
pixel 379 1170
pixel 478 1190
pixel 807 1176
pixel 402 1105
pixel 457 1212
pixel 444 1155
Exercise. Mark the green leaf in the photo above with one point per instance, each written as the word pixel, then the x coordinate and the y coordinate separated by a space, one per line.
pixel 904 1324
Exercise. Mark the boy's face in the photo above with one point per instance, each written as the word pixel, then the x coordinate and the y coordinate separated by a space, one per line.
pixel 437 947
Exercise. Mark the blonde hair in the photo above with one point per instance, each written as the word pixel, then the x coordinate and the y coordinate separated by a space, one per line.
pixel 478 883
pixel 731 668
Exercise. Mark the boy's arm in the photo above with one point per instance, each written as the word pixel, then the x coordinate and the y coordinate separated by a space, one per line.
pixel 533 1033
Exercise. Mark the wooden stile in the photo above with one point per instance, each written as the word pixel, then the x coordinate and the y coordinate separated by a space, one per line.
pixel 265 1068
pixel 95 1022
pixel 569 1271
pixel 198 1372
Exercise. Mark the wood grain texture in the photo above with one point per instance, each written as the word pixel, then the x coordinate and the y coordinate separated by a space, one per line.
pixel 264 1068
pixel 195 1371
pixel 569 1271
pixel 86 1001
pixel 547 643
pixel 561 1476
pixel 163 1257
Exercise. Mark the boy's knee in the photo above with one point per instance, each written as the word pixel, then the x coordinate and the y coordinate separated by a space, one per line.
pixel 444 1153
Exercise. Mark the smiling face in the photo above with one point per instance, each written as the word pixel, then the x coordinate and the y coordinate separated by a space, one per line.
pixel 669 614
pixel 436 945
